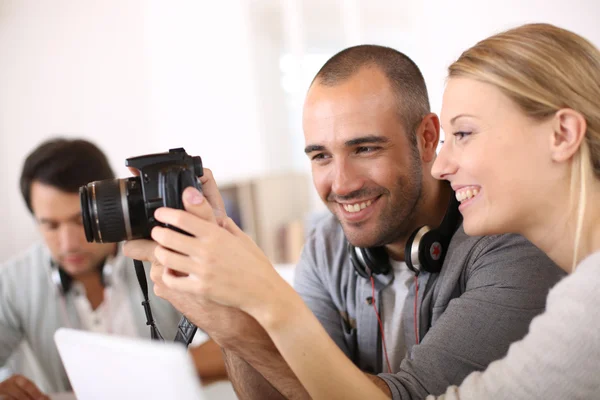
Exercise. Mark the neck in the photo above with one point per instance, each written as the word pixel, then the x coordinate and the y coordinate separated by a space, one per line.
pixel 430 211
pixel 556 230
pixel 94 289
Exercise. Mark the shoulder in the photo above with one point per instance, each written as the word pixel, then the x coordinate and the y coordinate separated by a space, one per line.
pixel 476 246
pixel 511 250
pixel 29 262
pixel 26 276
pixel 326 230
pixel 583 284
pixel 325 252
pixel 325 240
pixel 501 263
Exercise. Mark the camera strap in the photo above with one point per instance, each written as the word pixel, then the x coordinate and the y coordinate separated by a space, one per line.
pixel 141 276
pixel 185 330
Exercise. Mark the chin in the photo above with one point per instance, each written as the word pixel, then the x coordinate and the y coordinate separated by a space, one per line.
pixel 479 228
pixel 476 228
pixel 359 240
pixel 76 270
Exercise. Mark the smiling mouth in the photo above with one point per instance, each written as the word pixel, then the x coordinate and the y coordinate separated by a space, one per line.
pixel 467 193
pixel 356 207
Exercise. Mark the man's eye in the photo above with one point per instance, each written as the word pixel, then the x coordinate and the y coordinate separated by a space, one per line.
pixel 366 149
pixel 319 156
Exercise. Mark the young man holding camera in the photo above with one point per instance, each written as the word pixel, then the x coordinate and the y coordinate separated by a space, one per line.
pixel 66 281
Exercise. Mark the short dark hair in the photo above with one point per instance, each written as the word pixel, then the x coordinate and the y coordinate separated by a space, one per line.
pixel 65 164
pixel 403 74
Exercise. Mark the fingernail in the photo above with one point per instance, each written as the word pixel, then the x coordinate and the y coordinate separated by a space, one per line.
pixel 193 196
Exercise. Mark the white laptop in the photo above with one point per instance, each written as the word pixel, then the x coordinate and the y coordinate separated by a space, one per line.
pixel 112 367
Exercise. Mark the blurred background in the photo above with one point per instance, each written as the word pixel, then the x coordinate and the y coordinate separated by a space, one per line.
pixel 223 79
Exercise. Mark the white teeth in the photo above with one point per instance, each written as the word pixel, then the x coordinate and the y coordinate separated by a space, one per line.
pixel 462 195
pixel 357 207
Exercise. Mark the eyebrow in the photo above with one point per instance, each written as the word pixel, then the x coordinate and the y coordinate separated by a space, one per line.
pixel 461 116
pixel 349 143
pixel 73 217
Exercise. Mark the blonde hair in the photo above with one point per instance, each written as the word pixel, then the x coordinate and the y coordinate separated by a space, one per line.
pixel 543 69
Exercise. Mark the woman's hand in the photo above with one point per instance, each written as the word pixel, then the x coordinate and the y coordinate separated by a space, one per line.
pixel 216 263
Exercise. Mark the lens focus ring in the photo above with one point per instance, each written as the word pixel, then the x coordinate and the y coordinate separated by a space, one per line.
pixel 111 220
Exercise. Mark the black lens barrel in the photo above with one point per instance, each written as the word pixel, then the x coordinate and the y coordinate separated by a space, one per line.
pixel 113 210
pixel 103 216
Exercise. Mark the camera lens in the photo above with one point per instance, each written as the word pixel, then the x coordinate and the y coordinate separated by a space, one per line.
pixel 113 210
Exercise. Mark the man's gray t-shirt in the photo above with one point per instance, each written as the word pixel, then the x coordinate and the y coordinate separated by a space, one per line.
pixel 393 298
pixel 487 293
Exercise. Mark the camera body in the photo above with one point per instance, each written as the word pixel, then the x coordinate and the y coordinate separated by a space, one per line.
pixel 123 209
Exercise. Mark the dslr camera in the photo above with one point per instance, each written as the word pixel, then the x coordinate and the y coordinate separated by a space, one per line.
pixel 114 210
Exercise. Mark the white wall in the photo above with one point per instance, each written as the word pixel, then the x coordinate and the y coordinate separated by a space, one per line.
pixel 135 77
pixel 447 28
pixel 139 76
pixel 69 68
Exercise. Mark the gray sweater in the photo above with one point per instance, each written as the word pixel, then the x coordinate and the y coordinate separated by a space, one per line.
pixel 560 356
pixel 485 297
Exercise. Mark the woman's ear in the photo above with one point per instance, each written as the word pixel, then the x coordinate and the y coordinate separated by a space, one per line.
pixel 569 129
pixel 428 136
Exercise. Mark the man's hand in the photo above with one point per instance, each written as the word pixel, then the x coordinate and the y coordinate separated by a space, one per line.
pixel 17 387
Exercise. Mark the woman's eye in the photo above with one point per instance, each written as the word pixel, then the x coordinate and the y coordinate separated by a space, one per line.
pixel 461 134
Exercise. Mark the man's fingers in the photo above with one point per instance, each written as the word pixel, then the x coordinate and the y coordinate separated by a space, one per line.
pixel 29 387
pixel 20 388
pixel 179 264
pixel 140 249
pixel 12 392
pixel 156 273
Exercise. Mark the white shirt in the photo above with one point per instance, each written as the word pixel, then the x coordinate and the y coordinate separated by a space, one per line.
pixel 114 314
pixel 392 300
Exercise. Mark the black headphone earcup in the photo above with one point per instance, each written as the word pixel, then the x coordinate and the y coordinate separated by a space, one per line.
pixel 106 274
pixel 378 259
pixel 358 262
pixel 411 251
pixel 424 250
pixel 432 251
pixel 367 262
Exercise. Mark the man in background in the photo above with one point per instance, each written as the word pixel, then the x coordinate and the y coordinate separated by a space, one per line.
pixel 64 281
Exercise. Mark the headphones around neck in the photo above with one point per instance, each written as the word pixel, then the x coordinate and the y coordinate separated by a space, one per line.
pixel 425 248
pixel 63 281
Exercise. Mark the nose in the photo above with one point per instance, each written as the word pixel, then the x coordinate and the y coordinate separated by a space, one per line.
pixel 347 178
pixel 71 237
pixel 445 164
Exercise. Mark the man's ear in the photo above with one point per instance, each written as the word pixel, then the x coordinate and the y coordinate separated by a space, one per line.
pixel 569 129
pixel 428 136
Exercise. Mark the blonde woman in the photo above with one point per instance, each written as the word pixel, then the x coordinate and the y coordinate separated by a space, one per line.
pixel 522 152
